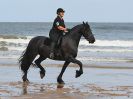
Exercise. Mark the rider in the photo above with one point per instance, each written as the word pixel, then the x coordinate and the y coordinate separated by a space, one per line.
pixel 57 30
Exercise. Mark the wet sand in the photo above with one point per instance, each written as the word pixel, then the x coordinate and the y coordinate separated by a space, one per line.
pixel 95 83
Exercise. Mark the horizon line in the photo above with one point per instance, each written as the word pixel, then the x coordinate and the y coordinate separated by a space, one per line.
pixel 66 21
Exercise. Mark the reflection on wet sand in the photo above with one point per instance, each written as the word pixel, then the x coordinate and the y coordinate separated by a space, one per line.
pixel 24 87
pixel 42 87
pixel 60 85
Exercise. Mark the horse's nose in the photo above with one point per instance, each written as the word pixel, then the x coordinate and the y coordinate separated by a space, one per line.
pixel 92 41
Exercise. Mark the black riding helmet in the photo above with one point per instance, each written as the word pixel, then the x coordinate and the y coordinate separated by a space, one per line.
pixel 60 10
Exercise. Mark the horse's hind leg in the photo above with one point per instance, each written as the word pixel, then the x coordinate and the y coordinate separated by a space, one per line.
pixel 25 79
pixel 25 71
pixel 38 63
pixel 25 66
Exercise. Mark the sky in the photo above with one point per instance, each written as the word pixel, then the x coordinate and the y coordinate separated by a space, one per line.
pixel 76 10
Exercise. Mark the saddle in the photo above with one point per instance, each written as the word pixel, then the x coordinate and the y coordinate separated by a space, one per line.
pixel 48 41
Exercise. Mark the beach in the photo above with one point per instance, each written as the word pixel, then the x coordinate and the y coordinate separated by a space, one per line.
pixel 95 83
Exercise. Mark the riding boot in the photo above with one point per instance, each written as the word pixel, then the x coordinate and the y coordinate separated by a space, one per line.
pixel 52 50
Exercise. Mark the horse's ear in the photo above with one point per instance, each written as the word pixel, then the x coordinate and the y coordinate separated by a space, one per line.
pixel 87 24
pixel 83 23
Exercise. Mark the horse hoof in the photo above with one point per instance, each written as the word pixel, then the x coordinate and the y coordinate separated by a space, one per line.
pixel 42 74
pixel 78 73
pixel 26 81
pixel 60 81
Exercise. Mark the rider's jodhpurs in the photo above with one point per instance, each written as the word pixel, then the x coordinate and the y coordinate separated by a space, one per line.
pixel 54 36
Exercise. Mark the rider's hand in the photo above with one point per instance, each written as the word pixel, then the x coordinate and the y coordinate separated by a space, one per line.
pixel 65 30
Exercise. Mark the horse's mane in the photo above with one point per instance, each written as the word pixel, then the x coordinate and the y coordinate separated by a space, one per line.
pixel 75 28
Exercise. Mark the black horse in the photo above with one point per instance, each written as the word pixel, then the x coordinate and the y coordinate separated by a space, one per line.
pixel 65 51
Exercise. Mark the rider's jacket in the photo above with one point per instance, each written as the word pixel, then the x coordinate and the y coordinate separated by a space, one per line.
pixel 58 22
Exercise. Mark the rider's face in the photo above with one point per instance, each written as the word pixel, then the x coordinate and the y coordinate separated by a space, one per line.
pixel 61 14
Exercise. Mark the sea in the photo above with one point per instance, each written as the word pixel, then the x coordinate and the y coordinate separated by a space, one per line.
pixel 113 46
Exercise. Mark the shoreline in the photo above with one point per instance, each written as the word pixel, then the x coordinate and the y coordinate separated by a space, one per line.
pixel 75 65
pixel 86 64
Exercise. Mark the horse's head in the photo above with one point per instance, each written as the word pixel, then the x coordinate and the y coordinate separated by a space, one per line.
pixel 87 33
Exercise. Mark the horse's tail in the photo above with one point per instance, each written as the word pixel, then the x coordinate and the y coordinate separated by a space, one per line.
pixel 28 56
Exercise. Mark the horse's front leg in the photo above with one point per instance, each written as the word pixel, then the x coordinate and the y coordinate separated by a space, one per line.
pixel 80 71
pixel 59 79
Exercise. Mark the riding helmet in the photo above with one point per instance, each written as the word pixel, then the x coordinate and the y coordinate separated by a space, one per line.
pixel 60 10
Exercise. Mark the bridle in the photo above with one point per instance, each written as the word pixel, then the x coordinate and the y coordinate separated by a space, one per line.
pixel 87 37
